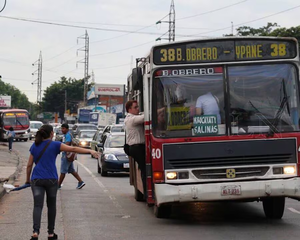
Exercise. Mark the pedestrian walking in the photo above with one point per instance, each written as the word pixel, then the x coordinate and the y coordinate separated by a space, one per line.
pixel 10 138
pixel 44 177
pixel 66 165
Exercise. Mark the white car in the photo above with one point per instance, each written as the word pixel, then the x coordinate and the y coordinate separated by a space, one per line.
pixel 34 127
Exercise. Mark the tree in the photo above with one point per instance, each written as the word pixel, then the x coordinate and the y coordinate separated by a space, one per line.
pixel 18 99
pixel 270 31
pixel 262 31
pixel 54 96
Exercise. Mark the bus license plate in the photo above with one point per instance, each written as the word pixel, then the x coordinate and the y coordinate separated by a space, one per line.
pixel 231 190
pixel 125 165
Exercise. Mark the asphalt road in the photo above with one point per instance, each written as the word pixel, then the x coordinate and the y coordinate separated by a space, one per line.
pixel 105 209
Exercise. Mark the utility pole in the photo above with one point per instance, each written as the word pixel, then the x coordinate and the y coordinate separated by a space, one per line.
pixel 38 81
pixel 96 96
pixel 86 64
pixel 171 24
pixel 66 101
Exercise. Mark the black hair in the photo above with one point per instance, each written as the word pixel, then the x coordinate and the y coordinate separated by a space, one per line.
pixel 43 133
pixel 65 125
pixel 11 129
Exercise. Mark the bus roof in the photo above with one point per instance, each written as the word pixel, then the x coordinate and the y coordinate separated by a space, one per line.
pixel 13 110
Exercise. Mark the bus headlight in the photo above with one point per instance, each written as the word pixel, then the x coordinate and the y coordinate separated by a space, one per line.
pixel 289 170
pixel 171 175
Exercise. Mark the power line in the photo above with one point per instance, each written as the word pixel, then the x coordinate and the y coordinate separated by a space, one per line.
pixel 240 24
pixel 76 26
pixel 49 69
pixel 128 33
pixel 60 54
pixel 3 6
pixel 120 50
pixel 116 66
pixel 215 10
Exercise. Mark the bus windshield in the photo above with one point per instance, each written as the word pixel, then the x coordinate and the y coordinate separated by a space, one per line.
pixel 17 120
pixel 259 99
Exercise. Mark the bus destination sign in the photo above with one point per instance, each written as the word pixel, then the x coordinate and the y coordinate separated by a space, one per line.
pixel 224 51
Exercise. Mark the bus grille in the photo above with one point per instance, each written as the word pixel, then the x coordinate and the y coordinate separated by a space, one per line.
pixel 230 153
pixel 232 161
pixel 239 172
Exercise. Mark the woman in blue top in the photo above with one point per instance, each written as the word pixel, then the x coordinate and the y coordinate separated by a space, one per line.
pixel 44 176
pixel 10 137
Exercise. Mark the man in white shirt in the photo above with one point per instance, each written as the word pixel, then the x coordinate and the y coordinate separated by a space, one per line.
pixel 135 137
pixel 208 104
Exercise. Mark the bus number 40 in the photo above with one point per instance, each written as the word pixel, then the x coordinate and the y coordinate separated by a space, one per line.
pixel 156 153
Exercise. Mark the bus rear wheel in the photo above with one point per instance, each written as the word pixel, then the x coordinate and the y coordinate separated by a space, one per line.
pixel 274 207
pixel 162 211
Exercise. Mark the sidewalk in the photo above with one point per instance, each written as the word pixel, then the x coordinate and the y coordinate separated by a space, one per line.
pixel 10 166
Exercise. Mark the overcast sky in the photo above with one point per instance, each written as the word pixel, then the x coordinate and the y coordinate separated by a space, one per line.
pixel 126 30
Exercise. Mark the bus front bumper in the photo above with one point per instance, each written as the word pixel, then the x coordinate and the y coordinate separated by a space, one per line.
pixel 167 193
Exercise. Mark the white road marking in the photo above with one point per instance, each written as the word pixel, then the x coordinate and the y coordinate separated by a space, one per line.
pixel 293 210
pixel 101 185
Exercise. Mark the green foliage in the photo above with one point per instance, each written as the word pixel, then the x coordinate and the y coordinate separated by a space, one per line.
pixel 54 96
pixel 272 29
pixel 18 99
pixel 262 31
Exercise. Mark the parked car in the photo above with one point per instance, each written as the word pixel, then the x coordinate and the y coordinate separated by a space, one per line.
pixel 82 126
pixel 34 127
pixel 113 157
pixel 96 140
pixel 84 138
pixel 111 129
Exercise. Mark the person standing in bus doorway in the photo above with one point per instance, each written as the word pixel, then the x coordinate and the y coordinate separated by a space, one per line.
pixel 66 166
pixel 10 138
pixel 208 104
pixel 135 138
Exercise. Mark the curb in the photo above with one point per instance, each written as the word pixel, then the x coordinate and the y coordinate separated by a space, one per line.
pixel 12 177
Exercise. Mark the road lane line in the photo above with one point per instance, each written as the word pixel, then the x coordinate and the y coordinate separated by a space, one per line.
pixel 293 210
pixel 102 186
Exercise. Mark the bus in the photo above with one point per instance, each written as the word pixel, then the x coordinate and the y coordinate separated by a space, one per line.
pixel 16 118
pixel 221 122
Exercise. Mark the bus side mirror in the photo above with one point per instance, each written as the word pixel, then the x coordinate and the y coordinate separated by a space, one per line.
pixel 137 78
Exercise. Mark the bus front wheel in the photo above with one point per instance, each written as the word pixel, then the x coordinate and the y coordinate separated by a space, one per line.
pixel 162 211
pixel 274 207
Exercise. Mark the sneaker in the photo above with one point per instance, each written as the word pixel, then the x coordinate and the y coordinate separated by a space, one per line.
pixel 80 185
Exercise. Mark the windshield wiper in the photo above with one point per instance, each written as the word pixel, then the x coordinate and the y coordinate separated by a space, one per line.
pixel 18 121
pixel 264 119
pixel 284 102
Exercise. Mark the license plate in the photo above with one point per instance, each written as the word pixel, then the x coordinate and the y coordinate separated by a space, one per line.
pixel 231 190
pixel 125 165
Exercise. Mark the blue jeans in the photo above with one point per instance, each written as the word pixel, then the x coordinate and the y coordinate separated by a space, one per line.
pixel 66 166
pixel 10 141
pixel 39 187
